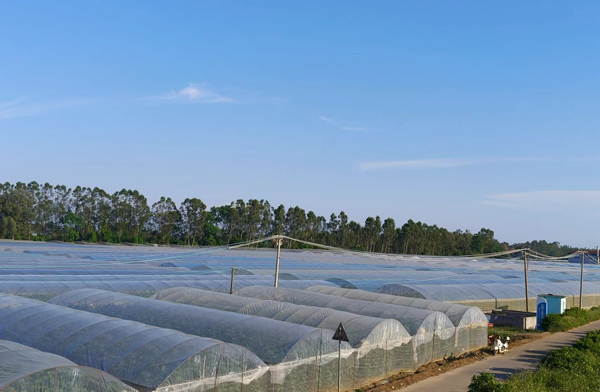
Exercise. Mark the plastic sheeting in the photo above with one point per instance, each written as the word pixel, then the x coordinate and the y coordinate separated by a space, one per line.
pixel 144 356
pixel 24 369
pixel 497 295
pixel 273 341
pixel 433 334
pixel 380 343
pixel 470 322
pixel 45 289
pixel 296 351
pixel 362 330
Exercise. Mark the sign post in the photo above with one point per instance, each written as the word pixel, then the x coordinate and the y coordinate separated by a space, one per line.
pixel 340 336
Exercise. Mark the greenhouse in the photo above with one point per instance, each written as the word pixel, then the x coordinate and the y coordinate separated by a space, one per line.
pixel 432 332
pixel 24 369
pixel 147 358
pixel 44 290
pixel 382 345
pixel 470 322
pixel 497 295
pixel 294 350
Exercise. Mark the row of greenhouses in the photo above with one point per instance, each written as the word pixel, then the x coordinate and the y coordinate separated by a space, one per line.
pixel 164 344
pixel 177 319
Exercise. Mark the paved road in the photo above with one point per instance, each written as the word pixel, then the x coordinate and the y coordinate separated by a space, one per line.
pixel 502 366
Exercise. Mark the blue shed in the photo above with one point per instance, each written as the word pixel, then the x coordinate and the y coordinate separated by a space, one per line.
pixel 556 303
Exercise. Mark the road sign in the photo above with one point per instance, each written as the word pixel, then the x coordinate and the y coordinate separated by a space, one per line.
pixel 340 334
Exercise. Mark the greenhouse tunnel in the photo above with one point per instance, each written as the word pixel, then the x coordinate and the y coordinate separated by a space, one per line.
pixel 294 351
pixel 273 341
pixel 25 369
pixel 432 332
pixel 498 295
pixel 470 321
pixel 45 289
pixel 380 343
pixel 148 358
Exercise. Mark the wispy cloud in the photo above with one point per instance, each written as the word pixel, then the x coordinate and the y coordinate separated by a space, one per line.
pixel 439 163
pixel 341 125
pixel 541 200
pixel 415 164
pixel 22 107
pixel 195 93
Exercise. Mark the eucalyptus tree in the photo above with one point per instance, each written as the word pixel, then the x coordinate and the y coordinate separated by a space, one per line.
pixel 278 224
pixel 165 217
pixel 193 216
pixel 29 211
pixel 388 235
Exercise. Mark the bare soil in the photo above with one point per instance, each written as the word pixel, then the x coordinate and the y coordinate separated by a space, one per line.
pixel 404 379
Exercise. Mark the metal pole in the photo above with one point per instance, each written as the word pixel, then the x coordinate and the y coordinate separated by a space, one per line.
pixel 279 241
pixel 581 283
pixel 339 365
pixel 232 275
pixel 526 283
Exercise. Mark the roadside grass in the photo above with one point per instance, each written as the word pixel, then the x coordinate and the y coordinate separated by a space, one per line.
pixel 572 318
pixel 568 369
pixel 511 331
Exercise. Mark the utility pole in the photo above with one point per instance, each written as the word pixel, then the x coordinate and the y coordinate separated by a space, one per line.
pixel 233 269
pixel 526 283
pixel 278 242
pixel 581 282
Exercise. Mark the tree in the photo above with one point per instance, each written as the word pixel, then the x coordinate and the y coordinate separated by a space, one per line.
pixel 164 219
pixel 278 220
pixel 34 211
pixel 477 244
pixel 389 233
pixel 9 227
pixel 192 212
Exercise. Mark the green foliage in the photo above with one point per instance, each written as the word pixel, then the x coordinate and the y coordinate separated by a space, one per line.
pixel 43 211
pixel 547 248
pixel 9 227
pixel 510 331
pixel 572 318
pixel 485 382
pixel 476 244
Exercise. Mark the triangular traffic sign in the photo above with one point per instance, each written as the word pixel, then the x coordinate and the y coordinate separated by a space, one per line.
pixel 340 334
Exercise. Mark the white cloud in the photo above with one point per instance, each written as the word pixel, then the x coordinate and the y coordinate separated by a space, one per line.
pixel 196 93
pixel 342 126
pixel 440 163
pixel 570 203
pixel 415 164
pixel 546 200
pixel 20 107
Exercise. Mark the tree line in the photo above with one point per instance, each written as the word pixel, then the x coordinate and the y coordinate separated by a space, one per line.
pixel 45 212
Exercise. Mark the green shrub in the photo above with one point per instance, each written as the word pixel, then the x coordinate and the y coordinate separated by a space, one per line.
pixel 485 382
pixel 572 318
pixel 570 359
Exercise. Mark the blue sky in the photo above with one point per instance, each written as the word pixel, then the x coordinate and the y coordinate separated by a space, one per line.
pixel 466 114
